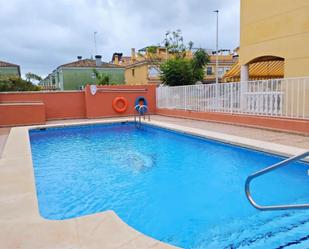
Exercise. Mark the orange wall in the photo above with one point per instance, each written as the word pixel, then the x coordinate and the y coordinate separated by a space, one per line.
pixel 72 104
pixel 100 104
pixel 81 104
pixel 22 114
pixel 280 124
pixel 59 105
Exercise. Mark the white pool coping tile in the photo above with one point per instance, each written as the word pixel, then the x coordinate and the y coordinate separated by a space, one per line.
pixel 23 227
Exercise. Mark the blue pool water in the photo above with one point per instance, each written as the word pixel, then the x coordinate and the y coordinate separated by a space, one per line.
pixel 177 188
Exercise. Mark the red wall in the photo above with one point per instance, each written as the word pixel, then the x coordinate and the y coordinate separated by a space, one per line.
pixel 22 113
pixel 72 104
pixel 280 124
pixel 100 104
pixel 59 105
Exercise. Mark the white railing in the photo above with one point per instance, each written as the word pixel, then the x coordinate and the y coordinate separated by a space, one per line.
pixel 276 97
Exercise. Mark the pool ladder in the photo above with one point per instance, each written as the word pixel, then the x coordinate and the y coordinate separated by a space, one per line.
pixel 140 114
pixel 267 170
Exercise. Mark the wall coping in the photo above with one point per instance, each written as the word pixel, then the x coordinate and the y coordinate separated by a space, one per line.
pixel 21 103
pixel 23 92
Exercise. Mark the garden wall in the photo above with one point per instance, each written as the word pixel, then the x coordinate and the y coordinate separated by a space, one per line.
pixel 26 113
pixel 58 105
pixel 15 107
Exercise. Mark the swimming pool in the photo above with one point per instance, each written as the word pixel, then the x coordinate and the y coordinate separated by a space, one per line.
pixel 177 188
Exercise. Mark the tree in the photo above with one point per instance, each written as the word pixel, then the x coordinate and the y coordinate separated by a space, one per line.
pixel 33 78
pixel 200 60
pixel 173 43
pixel 177 72
pixel 13 83
pixel 190 45
pixel 182 71
pixel 101 78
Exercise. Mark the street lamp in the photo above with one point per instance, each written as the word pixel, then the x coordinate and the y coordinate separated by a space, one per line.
pixel 217 44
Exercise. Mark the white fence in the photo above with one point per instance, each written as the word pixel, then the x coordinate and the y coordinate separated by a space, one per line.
pixel 278 97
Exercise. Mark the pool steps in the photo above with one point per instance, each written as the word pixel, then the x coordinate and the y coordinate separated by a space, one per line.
pixel 141 113
pixel 288 230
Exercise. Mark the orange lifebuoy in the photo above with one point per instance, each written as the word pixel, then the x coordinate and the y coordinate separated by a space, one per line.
pixel 124 103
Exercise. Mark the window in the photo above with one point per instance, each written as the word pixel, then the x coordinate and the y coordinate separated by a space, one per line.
pixel 133 72
pixel 220 71
pixel 209 71
pixel 153 71
pixel 58 77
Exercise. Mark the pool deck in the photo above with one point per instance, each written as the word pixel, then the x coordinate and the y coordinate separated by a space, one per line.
pixel 4 133
pixel 21 225
pixel 277 137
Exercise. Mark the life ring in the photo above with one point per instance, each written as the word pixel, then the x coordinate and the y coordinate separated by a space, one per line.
pixel 137 104
pixel 124 103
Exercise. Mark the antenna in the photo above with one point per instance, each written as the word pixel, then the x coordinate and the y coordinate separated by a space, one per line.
pixel 95 42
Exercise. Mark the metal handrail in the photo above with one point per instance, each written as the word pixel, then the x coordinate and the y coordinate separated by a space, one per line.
pixel 137 108
pixel 269 169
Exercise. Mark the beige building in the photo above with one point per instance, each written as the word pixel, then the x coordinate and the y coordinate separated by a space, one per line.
pixel 144 66
pixel 276 30
pixel 225 63
pixel 142 73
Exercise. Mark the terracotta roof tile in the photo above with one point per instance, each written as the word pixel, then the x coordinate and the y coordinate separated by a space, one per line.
pixel 89 63
pixel 7 64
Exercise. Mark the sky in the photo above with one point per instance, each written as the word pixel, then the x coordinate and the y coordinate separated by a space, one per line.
pixel 40 35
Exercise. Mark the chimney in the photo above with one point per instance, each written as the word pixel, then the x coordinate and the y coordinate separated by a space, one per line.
pixel 98 61
pixel 116 61
pixel 79 57
pixel 133 55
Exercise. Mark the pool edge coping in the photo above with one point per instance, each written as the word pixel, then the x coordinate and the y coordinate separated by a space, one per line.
pixel 16 162
pixel 21 222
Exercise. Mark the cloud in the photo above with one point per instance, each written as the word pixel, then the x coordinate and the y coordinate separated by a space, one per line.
pixel 41 35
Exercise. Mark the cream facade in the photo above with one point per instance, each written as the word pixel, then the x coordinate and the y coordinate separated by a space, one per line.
pixel 142 73
pixel 275 30
pixel 225 63
pixel 144 66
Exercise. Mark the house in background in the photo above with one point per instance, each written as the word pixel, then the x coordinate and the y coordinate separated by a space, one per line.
pixel 9 69
pixel 144 66
pixel 75 75
pixel 226 60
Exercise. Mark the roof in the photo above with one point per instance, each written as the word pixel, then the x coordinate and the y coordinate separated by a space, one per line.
pixel 7 64
pixel 126 58
pixel 257 70
pixel 151 46
pixel 228 59
pixel 89 63
pixel 121 58
pixel 143 62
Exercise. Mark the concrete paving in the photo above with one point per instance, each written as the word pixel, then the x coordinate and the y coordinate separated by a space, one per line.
pixel 277 137
pixel 4 132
